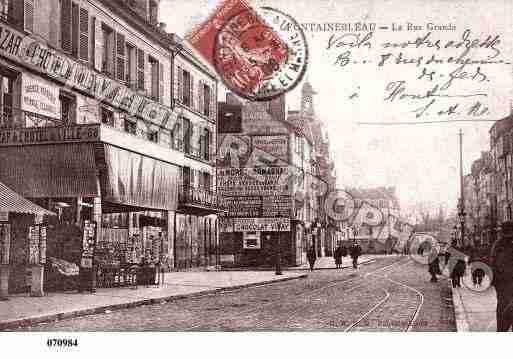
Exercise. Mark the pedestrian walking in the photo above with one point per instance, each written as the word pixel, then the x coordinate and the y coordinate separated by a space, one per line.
pixel 355 251
pixel 434 267
pixel 311 256
pixel 458 272
pixel 447 256
pixel 337 255
pixel 501 260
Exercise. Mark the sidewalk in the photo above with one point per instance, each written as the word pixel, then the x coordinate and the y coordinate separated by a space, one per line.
pixel 329 262
pixel 475 309
pixel 23 310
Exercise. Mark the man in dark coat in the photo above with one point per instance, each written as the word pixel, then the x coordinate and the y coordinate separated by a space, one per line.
pixel 311 256
pixel 338 256
pixel 501 260
pixel 355 251
pixel 434 266
pixel 458 272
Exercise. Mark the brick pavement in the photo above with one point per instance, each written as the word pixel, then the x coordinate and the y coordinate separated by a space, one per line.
pixel 475 306
pixel 24 310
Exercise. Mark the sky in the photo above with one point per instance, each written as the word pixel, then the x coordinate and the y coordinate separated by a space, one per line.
pixel 420 159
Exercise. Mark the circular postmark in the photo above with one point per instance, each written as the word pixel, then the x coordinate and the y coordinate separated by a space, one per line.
pixel 261 56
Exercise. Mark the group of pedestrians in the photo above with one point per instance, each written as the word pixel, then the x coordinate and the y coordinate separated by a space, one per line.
pixel 456 267
pixel 500 262
pixel 355 251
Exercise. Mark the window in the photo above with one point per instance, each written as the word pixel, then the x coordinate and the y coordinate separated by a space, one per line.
pixel 153 136
pixel 186 88
pixel 107 116
pixel 251 240
pixel 68 104
pixel 108 50
pixel 6 100
pixel 130 126
pixel 186 176
pixel 176 138
pixel 75 30
pixel 154 12
pixel 206 100
pixel 206 145
pixel 19 13
pixel 120 57
pixel 140 69
pixel 131 60
pixel 155 76
pixel 207 181
pixel 187 134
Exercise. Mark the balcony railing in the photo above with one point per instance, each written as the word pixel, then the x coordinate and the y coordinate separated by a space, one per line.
pixel 197 196
pixel 11 117
pixel 196 152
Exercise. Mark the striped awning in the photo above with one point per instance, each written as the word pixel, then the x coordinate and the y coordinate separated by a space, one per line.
pixel 10 201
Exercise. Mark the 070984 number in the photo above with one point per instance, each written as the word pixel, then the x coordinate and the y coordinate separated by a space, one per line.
pixel 54 342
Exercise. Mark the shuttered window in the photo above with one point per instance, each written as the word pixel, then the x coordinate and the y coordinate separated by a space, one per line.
pixel 161 83
pixel 93 41
pixel 29 15
pixel 191 92
pixel 74 29
pixel 213 103
pixel 206 149
pixel 66 25
pixel 140 69
pixel 200 96
pixel 179 85
pixel 206 100
pixel 120 57
pixel 84 35
pixel 155 78
pixel 186 88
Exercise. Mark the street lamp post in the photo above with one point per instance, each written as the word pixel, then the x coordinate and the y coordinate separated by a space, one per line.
pixel 461 211
pixel 278 255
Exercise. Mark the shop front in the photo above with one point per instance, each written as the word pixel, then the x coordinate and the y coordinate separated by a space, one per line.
pixel 115 206
pixel 23 233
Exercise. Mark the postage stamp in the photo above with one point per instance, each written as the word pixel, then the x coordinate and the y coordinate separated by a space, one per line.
pixel 259 55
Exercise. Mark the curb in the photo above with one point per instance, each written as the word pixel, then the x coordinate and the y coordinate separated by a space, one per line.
pixel 460 314
pixel 24 322
pixel 290 269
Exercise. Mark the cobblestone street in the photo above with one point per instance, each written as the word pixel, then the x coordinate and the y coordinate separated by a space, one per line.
pixel 389 294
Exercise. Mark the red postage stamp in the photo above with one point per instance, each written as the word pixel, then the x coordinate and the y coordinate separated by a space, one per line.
pixel 258 54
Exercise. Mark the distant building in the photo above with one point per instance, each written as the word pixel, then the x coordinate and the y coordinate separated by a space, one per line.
pixel 263 134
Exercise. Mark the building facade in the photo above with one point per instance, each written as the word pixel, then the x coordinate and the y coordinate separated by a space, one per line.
pixel 274 174
pixel 110 121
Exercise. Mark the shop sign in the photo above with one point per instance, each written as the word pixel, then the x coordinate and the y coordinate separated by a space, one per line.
pixel 36 135
pixel 42 245
pixel 225 224
pixel 257 181
pixel 275 145
pixel 88 244
pixel 34 250
pixel 261 224
pixel 32 53
pixel 4 216
pixel 40 96
pixel 5 243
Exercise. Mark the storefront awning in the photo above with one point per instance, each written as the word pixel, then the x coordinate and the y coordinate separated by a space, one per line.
pixel 53 170
pixel 136 180
pixel 10 201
